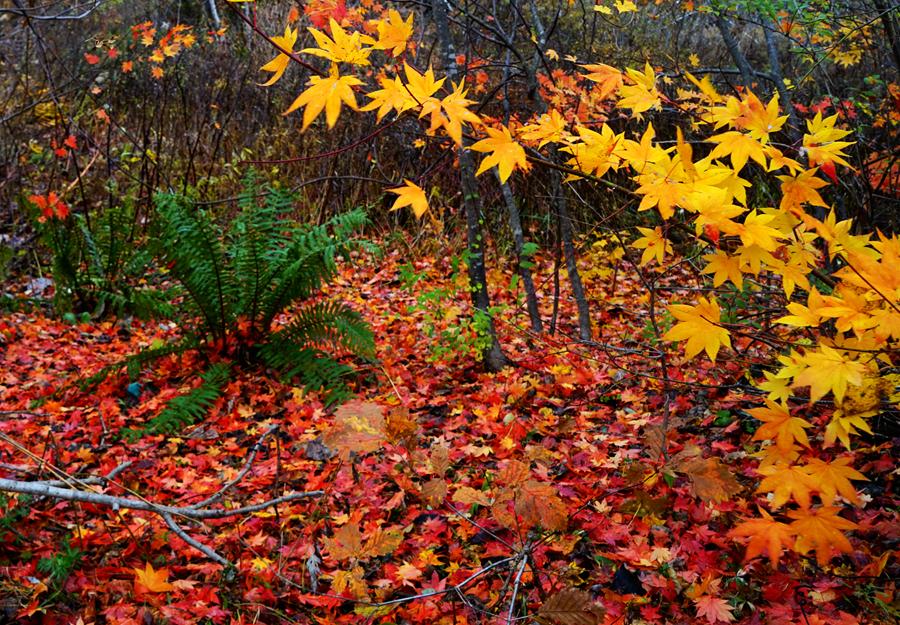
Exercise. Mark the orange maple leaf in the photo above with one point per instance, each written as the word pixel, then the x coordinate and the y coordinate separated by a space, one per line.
pixel 786 482
pixel 819 529
pixel 767 536
pixel 779 426
pixel 833 479
pixel 151 580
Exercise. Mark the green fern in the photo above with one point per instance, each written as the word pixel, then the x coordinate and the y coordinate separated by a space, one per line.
pixel 236 280
pixel 189 408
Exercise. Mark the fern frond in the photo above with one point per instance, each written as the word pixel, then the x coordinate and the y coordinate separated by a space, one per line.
pixel 329 325
pixel 189 408
pixel 316 370
pixel 189 240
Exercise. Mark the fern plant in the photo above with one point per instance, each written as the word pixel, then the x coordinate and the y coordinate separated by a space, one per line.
pixel 98 265
pixel 238 280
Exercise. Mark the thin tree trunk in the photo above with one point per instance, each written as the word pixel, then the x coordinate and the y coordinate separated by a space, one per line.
pixel 890 28
pixel 214 13
pixel 567 233
pixel 778 75
pixel 492 355
pixel 515 224
pixel 566 229
pixel 735 50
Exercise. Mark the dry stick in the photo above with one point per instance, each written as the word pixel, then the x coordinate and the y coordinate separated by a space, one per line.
pixel 515 591
pixel 42 489
pixel 246 469
pixel 209 553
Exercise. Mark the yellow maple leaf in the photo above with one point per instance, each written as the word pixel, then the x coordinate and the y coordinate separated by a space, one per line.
pixel 804 316
pixel 642 95
pixel 410 195
pixel 504 152
pixel 654 244
pixel 740 147
pixel 452 113
pixel 279 64
pixel 625 6
pixel 550 127
pixel 393 96
pixel 767 536
pixel 801 189
pixel 828 369
pixel 699 326
pixel 724 267
pixel 326 92
pixel 151 580
pixel 343 48
pixel 779 426
pixel 821 142
pixel 819 529
pixel 594 154
pixel 842 426
pixel 833 479
pixel 394 32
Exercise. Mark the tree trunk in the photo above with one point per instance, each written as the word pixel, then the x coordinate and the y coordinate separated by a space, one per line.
pixel 515 224
pixel 492 355
pixel 735 51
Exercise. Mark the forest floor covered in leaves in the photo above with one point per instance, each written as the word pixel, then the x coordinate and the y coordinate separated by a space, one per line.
pixel 604 476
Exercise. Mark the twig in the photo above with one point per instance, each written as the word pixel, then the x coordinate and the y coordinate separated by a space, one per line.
pixel 212 555
pixel 246 469
pixel 166 512
pixel 515 590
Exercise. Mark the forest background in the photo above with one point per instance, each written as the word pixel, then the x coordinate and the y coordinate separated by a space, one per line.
pixel 469 312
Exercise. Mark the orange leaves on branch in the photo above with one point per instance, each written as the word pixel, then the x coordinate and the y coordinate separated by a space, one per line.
pixel 698 325
pixel 786 482
pixel 833 479
pixel 779 426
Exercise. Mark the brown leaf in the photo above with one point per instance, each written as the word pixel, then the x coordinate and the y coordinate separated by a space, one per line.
pixel 711 480
pixel 440 460
pixel 570 607
pixel 467 495
pixel 539 504
pixel 346 543
pixel 358 427
pixel 434 491
pixel 514 473
pixel 399 427
pixel 655 441
pixel 382 543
